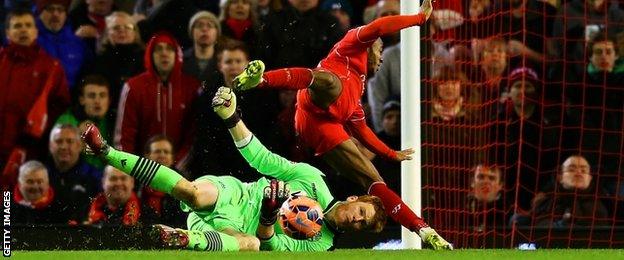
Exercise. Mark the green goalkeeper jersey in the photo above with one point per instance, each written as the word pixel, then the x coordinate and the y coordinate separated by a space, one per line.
pixel 239 207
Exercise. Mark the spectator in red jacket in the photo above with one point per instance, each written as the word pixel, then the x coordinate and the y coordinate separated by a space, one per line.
pixel 34 200
pixel 34 92
pixel 118 204
pixel 158 101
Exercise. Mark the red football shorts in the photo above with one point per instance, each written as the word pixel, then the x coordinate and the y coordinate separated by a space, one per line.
pixel 319 131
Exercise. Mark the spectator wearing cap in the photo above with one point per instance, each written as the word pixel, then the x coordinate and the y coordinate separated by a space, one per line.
pixel 204 30
pixel 239 21
pixel 34 200
pixel 57 38
pixel 157 101
pixel 342 10
pixel 120 56
pixel 299 35
pixel 531 124
pixel 595 109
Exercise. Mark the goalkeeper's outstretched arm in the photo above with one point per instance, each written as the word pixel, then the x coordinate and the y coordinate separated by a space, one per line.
pixel 254 152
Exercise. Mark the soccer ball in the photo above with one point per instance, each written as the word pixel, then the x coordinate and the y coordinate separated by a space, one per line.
pixel 301 217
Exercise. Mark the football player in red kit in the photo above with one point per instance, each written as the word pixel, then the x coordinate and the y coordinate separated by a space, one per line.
pixel 328 102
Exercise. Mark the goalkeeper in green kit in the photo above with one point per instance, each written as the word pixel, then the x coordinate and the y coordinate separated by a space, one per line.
pixel 226 214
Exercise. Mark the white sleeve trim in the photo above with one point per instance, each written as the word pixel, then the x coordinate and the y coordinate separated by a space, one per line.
pixel 243 142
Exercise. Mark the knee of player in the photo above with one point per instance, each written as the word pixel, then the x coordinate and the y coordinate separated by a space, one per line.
pixel 248 243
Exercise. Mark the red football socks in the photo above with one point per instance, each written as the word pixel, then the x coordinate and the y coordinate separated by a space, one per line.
pixel 290 78
pixel 396 208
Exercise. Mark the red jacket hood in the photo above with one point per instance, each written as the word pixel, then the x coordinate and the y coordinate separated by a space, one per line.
pixel 159 37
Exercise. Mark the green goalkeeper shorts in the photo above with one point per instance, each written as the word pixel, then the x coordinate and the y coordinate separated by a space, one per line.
pixel 236 207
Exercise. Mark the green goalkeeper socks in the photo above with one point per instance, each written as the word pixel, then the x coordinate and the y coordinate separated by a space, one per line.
pixel 211 241
pixel 147 172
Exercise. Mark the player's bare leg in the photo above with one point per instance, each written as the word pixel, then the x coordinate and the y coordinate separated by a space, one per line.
pixel 347 159
pixel 324 87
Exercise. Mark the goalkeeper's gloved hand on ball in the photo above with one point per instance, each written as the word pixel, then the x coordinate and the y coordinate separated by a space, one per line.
pixel 224 104
pixel 274 196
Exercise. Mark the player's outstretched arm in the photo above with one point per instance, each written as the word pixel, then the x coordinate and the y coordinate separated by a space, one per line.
pixel 363 133
pixel 254 152
pixel 391 24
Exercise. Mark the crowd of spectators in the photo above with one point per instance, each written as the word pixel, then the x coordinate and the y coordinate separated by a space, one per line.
pixel 522 102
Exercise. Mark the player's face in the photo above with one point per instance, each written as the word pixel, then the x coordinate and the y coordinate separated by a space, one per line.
pixel 161 152
pixel 53 17
pixel 204 32
pixel 603 56
pixel 164 57
pixel 449 90
pixel 121 30
pixel 374 56
pixel 65 147
pixel 232 63
pixel 239 9
pixel 95 100
pixel 117 186
pixel 34 185
pixel 22 30
pixel 486 184
pixel 354 215
pixel 575 173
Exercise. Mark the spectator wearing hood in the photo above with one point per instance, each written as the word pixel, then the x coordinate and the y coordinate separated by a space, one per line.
pixel 157 101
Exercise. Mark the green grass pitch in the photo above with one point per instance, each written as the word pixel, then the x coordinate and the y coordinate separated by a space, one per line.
pixel 360 254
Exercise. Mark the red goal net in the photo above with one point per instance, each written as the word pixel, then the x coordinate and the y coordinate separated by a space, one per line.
pixel 522 129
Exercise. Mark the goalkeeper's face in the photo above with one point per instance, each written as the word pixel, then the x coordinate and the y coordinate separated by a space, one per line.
pixel 354 215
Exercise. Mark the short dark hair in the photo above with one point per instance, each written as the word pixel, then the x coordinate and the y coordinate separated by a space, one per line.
pixel 157 138
pixel 600 36
pixel 15 13
pixel 93 79
pixel 231 45
pixel 380 218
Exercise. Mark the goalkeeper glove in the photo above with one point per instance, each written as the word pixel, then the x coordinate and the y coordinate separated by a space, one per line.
pixel 224 104
pixel 274 196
